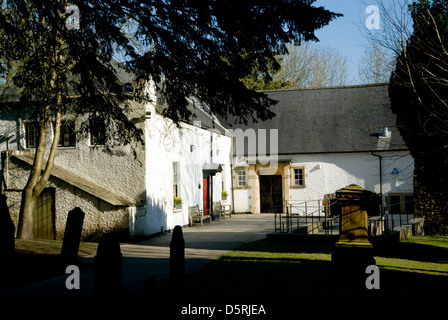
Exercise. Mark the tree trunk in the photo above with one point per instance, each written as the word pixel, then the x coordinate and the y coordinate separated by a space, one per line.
pixel 29 199
pixel 38 180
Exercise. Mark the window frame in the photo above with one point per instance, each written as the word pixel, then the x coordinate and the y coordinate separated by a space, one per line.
pixel 69 125
pixel 402 203
pixel 238 185
pixel 293 177
pixel 93 124
pixel 35 125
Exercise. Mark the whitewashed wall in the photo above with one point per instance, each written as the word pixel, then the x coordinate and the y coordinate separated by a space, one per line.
pixel 190 146
pixel 326 173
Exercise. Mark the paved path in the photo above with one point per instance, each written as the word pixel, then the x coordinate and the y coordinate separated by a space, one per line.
pixel 151 257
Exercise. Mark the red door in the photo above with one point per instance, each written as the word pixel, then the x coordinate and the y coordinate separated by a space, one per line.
pixel 206 202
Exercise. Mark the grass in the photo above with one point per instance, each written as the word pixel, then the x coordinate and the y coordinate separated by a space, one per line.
pixel 416 268
pixel 52 247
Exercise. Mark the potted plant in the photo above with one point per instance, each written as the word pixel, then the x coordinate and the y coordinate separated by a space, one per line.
pixel 177 202
pixel 224 194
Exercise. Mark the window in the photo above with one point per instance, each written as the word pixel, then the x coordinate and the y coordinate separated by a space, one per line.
pixel 400 203
pixel 67 137
pixel 176 191
pixel 394 204
pixel 241 174
pixel 31 134
pixel 97 131
pixel 298 177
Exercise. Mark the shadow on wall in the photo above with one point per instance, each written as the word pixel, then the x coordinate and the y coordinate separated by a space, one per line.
pixel 148 220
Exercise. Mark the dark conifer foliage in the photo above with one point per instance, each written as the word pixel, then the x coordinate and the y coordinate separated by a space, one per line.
pixel 419 97
pixel 201 48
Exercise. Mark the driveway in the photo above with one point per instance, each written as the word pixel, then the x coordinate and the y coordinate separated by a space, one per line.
pixel 149 258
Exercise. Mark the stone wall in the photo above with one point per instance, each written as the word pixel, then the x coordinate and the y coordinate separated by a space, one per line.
pixel 100 216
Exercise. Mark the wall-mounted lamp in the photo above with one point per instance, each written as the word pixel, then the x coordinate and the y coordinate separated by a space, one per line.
pixel 395 171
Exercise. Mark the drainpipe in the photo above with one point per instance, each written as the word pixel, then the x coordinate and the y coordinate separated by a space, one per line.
pixel 211 176
pixel 232 187
pixel 381 179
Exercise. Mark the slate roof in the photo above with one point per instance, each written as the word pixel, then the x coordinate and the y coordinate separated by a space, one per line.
pixel 81 183
pixel 330 120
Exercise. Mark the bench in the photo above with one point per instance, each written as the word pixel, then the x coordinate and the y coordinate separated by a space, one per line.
pixel 196 216
pixel 218 207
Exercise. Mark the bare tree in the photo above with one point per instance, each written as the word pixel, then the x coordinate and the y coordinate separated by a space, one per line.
pixel 376 64
pixel 417 35
pixel 395 28
pixel 312 66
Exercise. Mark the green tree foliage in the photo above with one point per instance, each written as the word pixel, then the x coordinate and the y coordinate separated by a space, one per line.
pixel 202 48
pixel 419 98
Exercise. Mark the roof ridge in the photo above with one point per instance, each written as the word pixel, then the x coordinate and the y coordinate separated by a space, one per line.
pixel 329 88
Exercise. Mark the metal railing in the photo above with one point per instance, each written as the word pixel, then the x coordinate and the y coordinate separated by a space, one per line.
pixel 307 217
pixel 315 217
pixel 398 219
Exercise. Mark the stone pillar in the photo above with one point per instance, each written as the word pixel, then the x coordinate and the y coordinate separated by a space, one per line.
pixel 254 185
pixel 353 252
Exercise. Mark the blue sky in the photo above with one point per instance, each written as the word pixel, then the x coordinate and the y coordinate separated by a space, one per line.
pixel 344 33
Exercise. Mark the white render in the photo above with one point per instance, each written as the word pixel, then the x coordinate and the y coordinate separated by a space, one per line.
pixel 192 146
pixel 326 173
pixel 140 173
pixel 334 137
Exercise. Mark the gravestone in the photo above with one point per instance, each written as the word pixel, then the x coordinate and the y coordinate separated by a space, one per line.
pixel 72 235
pixel 7 240
pixel 353 246
pixel 108 274
pixel 177 260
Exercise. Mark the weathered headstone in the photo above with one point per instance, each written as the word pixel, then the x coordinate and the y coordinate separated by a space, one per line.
pixel 353 252
pixel 353 245
pixel 72 235
pixel 7 240
pixel 108 274
pixel 177 259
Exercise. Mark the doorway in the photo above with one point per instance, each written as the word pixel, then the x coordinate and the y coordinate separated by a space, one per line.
pixel 271 194
pixel 44 215
pixel 206 196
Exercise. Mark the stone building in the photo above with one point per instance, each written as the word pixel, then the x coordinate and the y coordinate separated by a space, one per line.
pixel 322 140
pixel 123 189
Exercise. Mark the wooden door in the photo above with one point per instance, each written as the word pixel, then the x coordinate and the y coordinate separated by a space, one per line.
pixel 206 196
pixel 271 194
pixel 44 216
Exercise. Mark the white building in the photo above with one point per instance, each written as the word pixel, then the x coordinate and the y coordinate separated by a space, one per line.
pixel 123 189
pixel 322 140
pixel 190 161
